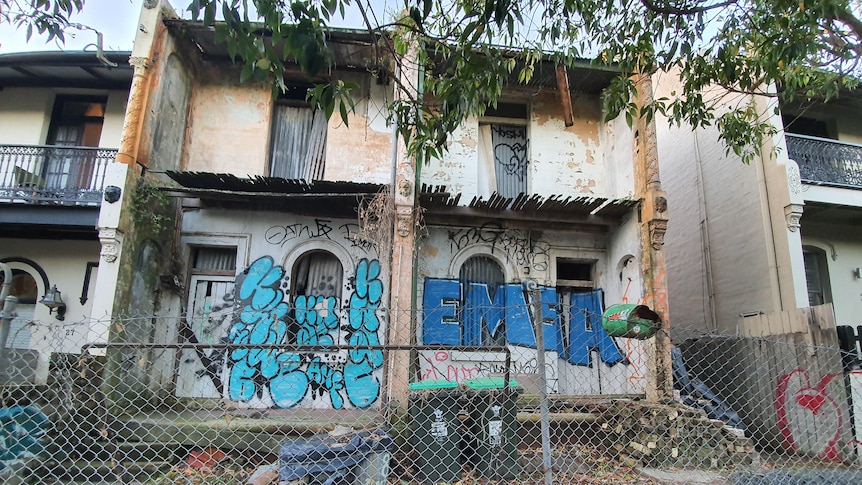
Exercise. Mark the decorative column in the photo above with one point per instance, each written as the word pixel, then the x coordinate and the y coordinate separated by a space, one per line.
pixel 133 121
pixel 654 219
pixel 402 314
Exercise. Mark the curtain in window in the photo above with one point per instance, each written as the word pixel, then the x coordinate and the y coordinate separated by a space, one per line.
pixel 487 176
pixel 318 274
pixel 298 143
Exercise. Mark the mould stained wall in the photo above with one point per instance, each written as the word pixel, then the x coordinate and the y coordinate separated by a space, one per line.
pixel 171 115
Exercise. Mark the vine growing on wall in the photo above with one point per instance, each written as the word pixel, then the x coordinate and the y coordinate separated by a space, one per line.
pixel 151 207
pixel 375 216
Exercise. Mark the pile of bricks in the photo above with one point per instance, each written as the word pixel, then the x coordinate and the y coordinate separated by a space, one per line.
pixel 673 436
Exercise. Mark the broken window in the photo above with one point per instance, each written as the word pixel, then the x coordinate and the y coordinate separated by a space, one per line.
pixel 298 137
pixel 211 292
pixel 502 142
pixel 483 316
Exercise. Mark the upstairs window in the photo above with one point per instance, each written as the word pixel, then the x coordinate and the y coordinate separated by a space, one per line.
pixel 503 159
pixel 801 125
pixel 76 122
pixel 298 137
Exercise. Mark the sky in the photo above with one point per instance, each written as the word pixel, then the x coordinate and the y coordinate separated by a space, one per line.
pixel 117 21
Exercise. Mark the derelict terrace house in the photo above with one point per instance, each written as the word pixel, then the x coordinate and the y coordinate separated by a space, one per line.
pixel 288 228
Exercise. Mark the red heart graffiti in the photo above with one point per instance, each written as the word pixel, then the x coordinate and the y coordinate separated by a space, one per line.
pixel 815 399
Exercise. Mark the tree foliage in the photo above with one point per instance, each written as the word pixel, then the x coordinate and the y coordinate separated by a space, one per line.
pixel 45 17
pixel 467 49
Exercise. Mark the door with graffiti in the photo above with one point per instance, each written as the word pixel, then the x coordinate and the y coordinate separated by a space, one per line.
pixel 587 351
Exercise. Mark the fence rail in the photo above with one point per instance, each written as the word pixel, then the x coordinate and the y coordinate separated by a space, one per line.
pixel 746 410
pixel 53 174
pixel 823 161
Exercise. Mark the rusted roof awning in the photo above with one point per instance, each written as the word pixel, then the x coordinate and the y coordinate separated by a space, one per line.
pixel 587 213
pixel 222 190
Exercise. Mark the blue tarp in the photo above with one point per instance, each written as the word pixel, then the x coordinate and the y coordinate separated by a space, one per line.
pixel 696 394
pixel 330 460
pixel 21 431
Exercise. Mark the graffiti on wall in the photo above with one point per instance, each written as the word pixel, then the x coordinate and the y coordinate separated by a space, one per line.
pixel 466 314
pixel 518 247
pixel 448 365
pixel 264 317
pixel 810 418
pixel 321 229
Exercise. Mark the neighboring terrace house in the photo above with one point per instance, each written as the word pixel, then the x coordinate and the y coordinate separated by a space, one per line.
pixel 286 228
pixel 779 234
pixel 61 116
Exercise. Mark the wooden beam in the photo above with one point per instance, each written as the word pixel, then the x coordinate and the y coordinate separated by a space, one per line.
pixel 565 95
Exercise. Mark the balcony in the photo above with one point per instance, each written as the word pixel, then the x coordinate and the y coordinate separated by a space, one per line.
pixel 826 162
pixel 53 175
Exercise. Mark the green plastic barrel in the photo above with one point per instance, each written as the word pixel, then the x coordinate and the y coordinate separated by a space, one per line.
pixel 493 424
pixel 433 408
pixel 630 321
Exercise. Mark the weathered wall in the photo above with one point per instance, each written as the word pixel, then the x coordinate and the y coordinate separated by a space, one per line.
pixel 25 115
pixel 596 362
pixel 269 245
pixel 229 126
pixel 164 135
pixel 361 150
pixel 590 158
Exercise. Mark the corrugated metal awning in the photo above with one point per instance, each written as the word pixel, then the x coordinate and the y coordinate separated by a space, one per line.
pixel 586 213
pixel 222 190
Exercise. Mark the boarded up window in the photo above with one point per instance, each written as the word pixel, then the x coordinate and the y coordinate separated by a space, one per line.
pixel 298 143
pixel 481 277
pixel 211 291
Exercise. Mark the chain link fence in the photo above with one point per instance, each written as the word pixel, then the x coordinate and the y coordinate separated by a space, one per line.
pixel 149 400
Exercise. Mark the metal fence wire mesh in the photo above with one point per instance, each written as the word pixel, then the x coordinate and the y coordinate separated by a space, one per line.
pixel 140 399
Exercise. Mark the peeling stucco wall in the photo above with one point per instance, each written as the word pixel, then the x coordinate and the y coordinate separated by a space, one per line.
pixel 589 159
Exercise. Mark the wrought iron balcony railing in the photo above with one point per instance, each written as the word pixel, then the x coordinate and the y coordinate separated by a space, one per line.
pixel 826 162
pixel 53 174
